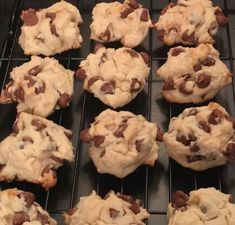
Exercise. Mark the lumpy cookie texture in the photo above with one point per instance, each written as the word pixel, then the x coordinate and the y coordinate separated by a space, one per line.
pixel 19 208
pixel 201 137
pixel 39 86
pixel 114 76
pixel 202 207
pixel 35 149
pixel 193 74
pixel 51 30
pixel 190 22
pixel 122 141
pixel 128 22
pixel 113 209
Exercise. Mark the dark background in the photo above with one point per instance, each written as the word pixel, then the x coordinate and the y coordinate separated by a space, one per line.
pixel 154 186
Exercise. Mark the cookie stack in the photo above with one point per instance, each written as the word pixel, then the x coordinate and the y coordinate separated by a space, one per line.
pixel 200 138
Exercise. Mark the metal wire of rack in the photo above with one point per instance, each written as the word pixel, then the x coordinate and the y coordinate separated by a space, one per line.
pixel 154 186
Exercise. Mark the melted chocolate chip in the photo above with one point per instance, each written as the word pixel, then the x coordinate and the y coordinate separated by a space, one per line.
pixel 180 199
pixel 38 124
pixel 193 112
pixel 53 30
pixel 28 197
pixel 68 134
pixel 197 67
pixel 132 53
pixel 20 217
pixel 135 85
pixel 176 51
pixel 98 140
pixel 170 5
pixel 48 170
pixel 52 16
pixel 106 35
pixel 159 134
pixel 195 158
pixel 31 81
pixel 222 20
pixel 205 126
pixel 72 211
pixel 208 61
pixel 40 89
pixel 135 207
pixel 81 74
pixel 161 34
pixel 145 57
pixel 27 139
pixel 85 136
pixel 169 84
pixel 194 148
pixel 203 80
pixel 185 140
pixel 35 70
pixel 144 15
pixel 102 154
pixel 138 144
pixel 29 17
pixel 126 198
pixel 19 93
pixel 121 128
pixel 91 81
pixel 126 12
pixel 215 117
pixel 113 213
pixel 230 151
pixel 58 160
pixel 108 87
pixel 44 219
pixel 64 100
pixel 182 89
pixel 133 4
pixel 188 38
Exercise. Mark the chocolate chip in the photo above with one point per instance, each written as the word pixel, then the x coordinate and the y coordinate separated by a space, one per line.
pixel 222 20
pixel 183 90
pixel 81 74
pixel 98 140
pixel 208 61
pixel 52 16
pixel 126 12
pixel 44 219
pixel 138 144
pixel 72 211
pixel 195 158
pixel 63 100
pixel 132 53
pixel 194 148
pixel 180 199
pixel 176 51
pixel 38 124
pixel 31 81
pixel 15 128
pixel 29 17
pixel 169 84
pixel 69 135
pixel 121 128
pixel 91 81
pixel 159 134
pixel 85 136
pixel 102 154
pixel 203 80
pixel 108 87
pixel 185 140
pixel 215 117
pixel 133 4
pixel 19 93
pixel 40 89
pixel 231 120
pixel 193 112
pixel 28 197
pixel 113 213
pixel 27 139
pixel 126 198
pixel 53 30
pixel 144 15
pixel 145 57
pixel 106 35
pixel 135 207
pixel 97 47
pixel 35 70
pixel 47 170
pixel 203 209
pixel 20 217
pixel 188 38
pixel 230 151
pixel 170 5
pixel 161 34
pixel 205 126
pixel 60 161
pixel 135 85
pixel 197 67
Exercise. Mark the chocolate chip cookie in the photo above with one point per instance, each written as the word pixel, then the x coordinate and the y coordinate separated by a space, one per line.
pixel 128 22
pixel 190 22
pixel 35 149
pixel 121 142
pixel 200 207
pixel 114 76
pixel 39 86
pixel 19 208
pixel 201 137
pixel 113 209
pixel 51 30
pixel 193 74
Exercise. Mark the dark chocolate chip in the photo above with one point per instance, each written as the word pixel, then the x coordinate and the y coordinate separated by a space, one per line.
pixel 58 160
pixel 38 124
pixel 134 4
pixel 176 51
pixel 64 100
pixel 31 81
pixel 180 199
pixel 135 85
pixel 159 134
pixel 188 38
pixel 231 119
pixel 27 139
pixel 108 87
pixel 106 35
pixel 85 136
pixel 170 5
pixel 47 170
pixel 193 112
pixel 144 15
pixel 97 47
pixel 230 151
pixel 185 140
pixel 20 217
pixel 145 57
pixel 102 154
pixel 194 148
pixel 197 67
pixel 215 117
pixel 126 198
pixel 135 207
pixel 53 30
pixel 44 219
pixel 205 126
pixel 183 90
pixel 71 211
pixel 195 158
pixel 40 89
pixel 35 70
pixel 28 197
pixel 169 84
pixel 19 93
pixel 222 20
pixel 91 81
pixel 121 128
pixel 161 34
pixel 52 16
pixel 132 53
pixel 203 80
pixel 126 12
pixel 29 17
pixel 208 61
pixel 15 128
pixel 138 144
pixel 98 140
pixel 113 213
pixel 69 135
pixel 81 74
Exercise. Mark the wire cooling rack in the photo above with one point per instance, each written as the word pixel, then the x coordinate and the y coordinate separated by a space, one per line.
pixel 154 186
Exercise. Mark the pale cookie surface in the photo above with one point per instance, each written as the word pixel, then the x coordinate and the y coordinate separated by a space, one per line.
pixel 190 22
pixel 121 142
pixel 201 137
pixel 193 74
pixel 51 30
pixel 128 22
pixel 114 76
pixel 19 208
pixel 39 86
pixel 114 209
pixel 35 149
pixel 205 206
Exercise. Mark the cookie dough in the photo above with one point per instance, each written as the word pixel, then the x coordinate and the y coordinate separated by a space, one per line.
pixel 190 22
pixel 193 74
pixel 19 208
pixel 128 22
pixel 114 76
pixel 201 137
pixel 51 30
pixel 121 142
pixel 39 86
pixel 113 209
pixel 206 206
pixel 35 149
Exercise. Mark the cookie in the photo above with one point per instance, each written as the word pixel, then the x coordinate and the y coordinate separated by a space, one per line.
pixel 193 74
pixel 39 86
pixel 114 76
pixel 113 209
pixel 201 137
pixel 121 142
pixel 202 207
pixel 127 22
pixel 19 208
pixel 51 30
pixel 190 22
pixel 35 149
